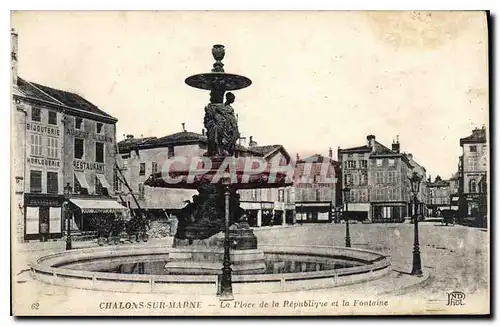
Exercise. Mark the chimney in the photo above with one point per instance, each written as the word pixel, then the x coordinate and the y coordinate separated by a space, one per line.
pixel 395 145
pixel 14 55
pixel 183 126
pixel 410 156
pixel 251 142
pixel 330 153
pixel 371 141
pixel 203 132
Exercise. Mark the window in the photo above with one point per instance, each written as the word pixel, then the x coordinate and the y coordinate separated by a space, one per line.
pixel 170 151
pixel 99 152
pixel 318 195
pixel 281 195
pixel 353 196
pixel 391 177
pixel 379 193
pixel 52 183
pixel 79 148
pixel 347 179
pixel 355 179
pixel 392 162
pixel 351 164
pixel 379 162
pixel 154 167
pixel 391 194
pixel 52 118
pixel 125 163
pixel 98 127
pixel 363 178
pixel 141 191
pixel 35 181
pixel 363 164
pixel 472 186
pixel 36 114
pixel 473 148
pixel 473 166
pixel 117 184
pixel 52 148
pixel 36 145
pixel 379 177
pixel 78 123
pixel 142 169
pixel 362 196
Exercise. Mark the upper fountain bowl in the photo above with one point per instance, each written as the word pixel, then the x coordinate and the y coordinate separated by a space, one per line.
pixel 218 80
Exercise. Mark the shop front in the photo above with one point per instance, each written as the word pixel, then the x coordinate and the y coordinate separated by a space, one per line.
pixel 42 216
pixel 313 212
pixel 390 212
pixel 89 212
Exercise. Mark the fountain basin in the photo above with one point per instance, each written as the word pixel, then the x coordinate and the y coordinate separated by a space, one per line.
pixel 59 269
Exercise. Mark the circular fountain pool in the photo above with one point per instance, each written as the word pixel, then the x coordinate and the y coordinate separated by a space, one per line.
pixel 143 269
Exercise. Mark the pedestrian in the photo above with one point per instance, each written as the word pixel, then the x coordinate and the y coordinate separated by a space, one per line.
pixel 438 214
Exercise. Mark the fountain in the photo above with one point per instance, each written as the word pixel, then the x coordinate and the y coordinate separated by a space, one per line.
pixel 213 228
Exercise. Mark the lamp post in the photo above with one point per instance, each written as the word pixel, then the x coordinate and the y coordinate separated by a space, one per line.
pixel 67 194
pixel 417 262
pixel 346 191
pixel 226 286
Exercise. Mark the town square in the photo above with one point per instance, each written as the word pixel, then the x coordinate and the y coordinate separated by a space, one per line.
pixel 209 176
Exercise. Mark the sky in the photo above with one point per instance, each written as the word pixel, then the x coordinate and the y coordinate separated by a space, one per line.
pixel 319 79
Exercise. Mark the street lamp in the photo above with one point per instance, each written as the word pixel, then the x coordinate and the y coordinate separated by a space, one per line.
pixel 417 262
pixel 346 191
pixel 67 194
pixel 226 287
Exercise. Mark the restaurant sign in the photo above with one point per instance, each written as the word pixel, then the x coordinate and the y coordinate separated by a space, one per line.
pixel 89 166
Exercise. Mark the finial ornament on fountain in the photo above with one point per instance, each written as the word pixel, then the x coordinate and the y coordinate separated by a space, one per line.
pixel 218 52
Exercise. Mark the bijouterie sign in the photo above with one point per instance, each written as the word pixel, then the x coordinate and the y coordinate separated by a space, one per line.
pixel 54 131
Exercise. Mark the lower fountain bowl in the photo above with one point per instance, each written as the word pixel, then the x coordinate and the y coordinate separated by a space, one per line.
pixel 157 269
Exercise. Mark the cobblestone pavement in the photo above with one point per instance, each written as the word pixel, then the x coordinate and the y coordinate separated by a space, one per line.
pixel 455 258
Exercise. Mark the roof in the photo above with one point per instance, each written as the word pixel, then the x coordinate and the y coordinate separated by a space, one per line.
pixel 317 158
pixel 58 97
pixel 265 150
pixel 182 137
pixel 477 136
pixel 379 150
pixel 364 148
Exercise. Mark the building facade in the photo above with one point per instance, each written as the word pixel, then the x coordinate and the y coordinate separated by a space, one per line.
pixel 318 197
pixel 140 157
pixel 378 181
pixel 50 152
pixel 269 206
pixel 439 195
pixel 473 173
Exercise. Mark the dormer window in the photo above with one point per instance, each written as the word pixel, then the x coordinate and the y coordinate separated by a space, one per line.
pixel 99 128
pixel 78 123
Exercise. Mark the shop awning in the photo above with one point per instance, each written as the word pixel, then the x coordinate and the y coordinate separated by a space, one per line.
pixel 81 179
pixel 103 181
pixel 98 205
